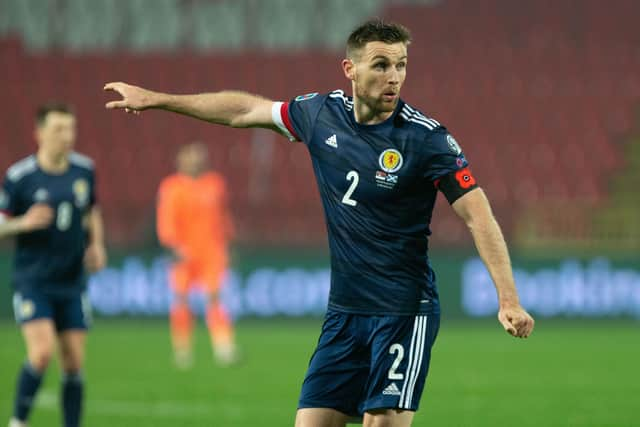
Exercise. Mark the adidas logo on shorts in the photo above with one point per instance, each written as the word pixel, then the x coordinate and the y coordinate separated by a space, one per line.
pixel 392 389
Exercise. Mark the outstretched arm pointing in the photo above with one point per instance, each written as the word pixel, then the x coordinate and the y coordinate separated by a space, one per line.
pixel 229 108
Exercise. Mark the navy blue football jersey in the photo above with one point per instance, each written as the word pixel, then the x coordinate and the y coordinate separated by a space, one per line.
pixel 50 260
pixel 377 184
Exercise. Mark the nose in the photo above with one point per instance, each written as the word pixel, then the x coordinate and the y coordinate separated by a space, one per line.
pixel 394 77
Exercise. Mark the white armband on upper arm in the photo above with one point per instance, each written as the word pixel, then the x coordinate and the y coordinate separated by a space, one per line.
pixel 280 117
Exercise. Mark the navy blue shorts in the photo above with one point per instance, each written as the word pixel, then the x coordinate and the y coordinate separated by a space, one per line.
pixel 365 362
pixel 66 311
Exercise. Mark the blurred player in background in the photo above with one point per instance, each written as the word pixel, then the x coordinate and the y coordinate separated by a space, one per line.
pixel 195 224
pixel 379 163
pixel 48 202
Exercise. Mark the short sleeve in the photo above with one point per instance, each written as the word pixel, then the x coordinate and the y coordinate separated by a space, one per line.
pixel 7 198
pixel 445 155
pixel 296 118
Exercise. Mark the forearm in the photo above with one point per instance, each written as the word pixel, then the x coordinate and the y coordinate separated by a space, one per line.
pixel 229 108
pixel 96 227
pixel 492 248
pixel 10 226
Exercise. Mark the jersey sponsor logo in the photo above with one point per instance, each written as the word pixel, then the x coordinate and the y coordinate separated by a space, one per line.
pixel 465 179
pixel 332 141
pixel 41 195
pixel 306 96
pixel 392 390
pixel 81 192
pixel 390 160
pixel 453 145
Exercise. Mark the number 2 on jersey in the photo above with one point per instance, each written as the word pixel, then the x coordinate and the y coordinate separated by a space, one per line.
pixel 355 179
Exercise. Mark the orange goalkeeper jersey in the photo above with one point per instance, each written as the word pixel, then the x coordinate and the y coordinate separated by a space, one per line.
pixel 192 216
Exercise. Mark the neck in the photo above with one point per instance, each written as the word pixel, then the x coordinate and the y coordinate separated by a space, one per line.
pixel 191 174
pixel 53 164
pixel 366 115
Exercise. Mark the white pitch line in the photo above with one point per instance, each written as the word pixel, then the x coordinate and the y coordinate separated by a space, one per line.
pixel 49 400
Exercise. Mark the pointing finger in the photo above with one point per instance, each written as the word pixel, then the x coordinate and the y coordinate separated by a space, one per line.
pixel 116 104
pixel 112 86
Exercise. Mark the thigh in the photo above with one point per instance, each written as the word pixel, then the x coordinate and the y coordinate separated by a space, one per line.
pixel 212 275
pixel 182 275
pixel 72 349
pixel 320 417
pixel 40 340
pixel 338 369
pixel 72 312
pixel 400 353
pixel 388 418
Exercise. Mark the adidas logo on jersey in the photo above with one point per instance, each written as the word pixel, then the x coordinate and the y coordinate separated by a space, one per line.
pixel 392 389
pixel 332 141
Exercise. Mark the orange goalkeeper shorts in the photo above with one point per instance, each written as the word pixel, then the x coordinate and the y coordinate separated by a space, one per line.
pixel 207 275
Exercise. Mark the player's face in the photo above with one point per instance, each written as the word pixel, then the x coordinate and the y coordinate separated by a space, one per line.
pixel 193 159
pixel 57 135
pixel 378 74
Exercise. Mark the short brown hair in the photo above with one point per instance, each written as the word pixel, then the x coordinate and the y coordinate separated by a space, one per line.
pixel 376 30
pixel 51 107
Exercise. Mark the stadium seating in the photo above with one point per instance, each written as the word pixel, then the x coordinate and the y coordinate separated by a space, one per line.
pixel 540 107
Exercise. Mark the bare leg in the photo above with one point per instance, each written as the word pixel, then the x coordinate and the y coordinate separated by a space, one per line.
pixel 39 336
pixel 388 418
pixel 320 417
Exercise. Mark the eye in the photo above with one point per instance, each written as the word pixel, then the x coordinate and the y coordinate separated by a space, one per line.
pixel 380 66
pixel 401 65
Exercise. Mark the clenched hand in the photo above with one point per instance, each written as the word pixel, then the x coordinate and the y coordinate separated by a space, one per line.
pixel 516 321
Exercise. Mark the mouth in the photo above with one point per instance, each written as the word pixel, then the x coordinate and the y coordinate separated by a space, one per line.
pixel 389 96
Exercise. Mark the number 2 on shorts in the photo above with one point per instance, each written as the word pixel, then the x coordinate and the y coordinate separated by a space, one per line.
pixel 399 349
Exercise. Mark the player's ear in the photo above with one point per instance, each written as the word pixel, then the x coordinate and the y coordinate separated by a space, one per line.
pixel 37 131
pixel 349 69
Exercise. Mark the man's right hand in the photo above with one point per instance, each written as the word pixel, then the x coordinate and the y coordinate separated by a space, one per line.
pixel 134 98
pixel 38 217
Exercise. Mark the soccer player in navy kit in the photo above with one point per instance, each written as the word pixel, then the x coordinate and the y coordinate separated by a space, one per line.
pixel 379 163
pixel 48 203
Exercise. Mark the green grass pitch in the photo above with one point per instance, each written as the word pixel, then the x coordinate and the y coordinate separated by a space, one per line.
pixel 569 373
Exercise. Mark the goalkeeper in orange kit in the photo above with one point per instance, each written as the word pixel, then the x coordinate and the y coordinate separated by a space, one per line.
pixel 194 222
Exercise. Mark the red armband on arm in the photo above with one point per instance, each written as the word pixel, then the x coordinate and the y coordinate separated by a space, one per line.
pixel 456 184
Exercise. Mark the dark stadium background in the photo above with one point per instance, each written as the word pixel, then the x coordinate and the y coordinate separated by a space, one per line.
pixel 542 95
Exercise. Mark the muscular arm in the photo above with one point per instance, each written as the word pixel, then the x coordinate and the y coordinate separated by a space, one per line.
pixel 229 108
pixel 475 210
